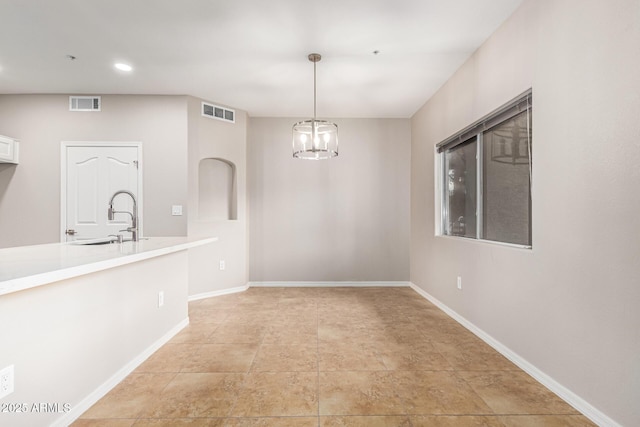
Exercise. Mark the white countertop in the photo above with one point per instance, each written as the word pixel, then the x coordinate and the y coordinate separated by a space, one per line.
pixel 26 267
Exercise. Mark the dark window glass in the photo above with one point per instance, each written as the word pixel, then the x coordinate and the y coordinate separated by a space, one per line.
pixel 460 191
pixel 506 190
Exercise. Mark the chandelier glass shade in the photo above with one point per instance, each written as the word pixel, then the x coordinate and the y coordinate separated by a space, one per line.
pixel 315 139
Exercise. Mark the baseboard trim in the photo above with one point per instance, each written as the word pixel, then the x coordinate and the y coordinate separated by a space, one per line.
pixel 218 293
pixel 77 410
pixel 335 284
pixel 564 393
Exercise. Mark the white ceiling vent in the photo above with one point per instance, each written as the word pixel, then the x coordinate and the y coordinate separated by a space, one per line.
pixel 84 103
pixel 220 113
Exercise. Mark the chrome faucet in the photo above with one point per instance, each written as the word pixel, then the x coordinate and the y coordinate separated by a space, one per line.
pixel 134 216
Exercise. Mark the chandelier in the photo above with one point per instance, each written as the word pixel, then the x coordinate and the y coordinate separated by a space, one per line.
pixel 315 139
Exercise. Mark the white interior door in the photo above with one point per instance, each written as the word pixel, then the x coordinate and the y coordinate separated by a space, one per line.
pixel 93 174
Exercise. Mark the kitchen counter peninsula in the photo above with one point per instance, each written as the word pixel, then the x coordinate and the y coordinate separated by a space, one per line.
pixel 76 319
pixel 25 267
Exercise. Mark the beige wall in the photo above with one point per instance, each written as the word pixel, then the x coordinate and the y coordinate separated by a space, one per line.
pixel 570 305
pixel 175 138
pixel 343 219
pixel 30 191
pixel 216 139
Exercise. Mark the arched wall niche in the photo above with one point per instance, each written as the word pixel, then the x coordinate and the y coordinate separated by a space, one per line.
pixel 217 190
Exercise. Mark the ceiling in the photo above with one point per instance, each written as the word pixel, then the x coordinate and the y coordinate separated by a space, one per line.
pixel 247 54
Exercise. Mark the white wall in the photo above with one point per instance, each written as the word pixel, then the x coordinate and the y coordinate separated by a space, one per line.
pixel 68 338
pixel 341 219
pixel 30 191
pixel 216 139
pixel 570 305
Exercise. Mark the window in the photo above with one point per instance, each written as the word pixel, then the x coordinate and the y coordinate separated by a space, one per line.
pixel 461 192
pixel 486 182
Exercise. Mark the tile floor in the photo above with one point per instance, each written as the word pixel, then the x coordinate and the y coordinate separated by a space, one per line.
pixel 325 357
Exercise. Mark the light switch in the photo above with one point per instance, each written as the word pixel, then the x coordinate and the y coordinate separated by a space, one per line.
pixel 176 210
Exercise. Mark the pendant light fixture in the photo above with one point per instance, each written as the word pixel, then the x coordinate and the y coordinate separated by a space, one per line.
pixel 315 139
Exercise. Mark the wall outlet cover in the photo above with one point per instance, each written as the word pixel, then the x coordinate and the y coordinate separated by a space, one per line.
pixel 6 381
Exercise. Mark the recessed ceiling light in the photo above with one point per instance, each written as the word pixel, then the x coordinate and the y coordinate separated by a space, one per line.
pixel 123 67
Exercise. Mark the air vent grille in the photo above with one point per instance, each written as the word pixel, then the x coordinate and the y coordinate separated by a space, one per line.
pixel 220 113
pixel 84 103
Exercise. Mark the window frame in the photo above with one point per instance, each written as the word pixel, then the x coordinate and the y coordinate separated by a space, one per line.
pixel 511 109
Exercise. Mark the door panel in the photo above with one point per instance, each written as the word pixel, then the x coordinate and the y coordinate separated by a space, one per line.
pixel 94 174
pixel 86 172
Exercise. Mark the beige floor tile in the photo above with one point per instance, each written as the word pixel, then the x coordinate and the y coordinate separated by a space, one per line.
pixel 346 356
pixel 169 358
pixel 180 422
pixel 437 392
pixel 290 333
pixel 261 294
pixel 339 317
pixel 221 358
pixel 290 318
pixel 365 421
pixel 118 422
pixel 196 395
pixel 207 314
pixel 359 393
pixel 260 306
pixel 265 292
pixel 514 392
pixel 416 356
pixel 300 292
pixel 252 316
pixel 195 333
pixel 448 332
pixel 294 323
pixel 279 357
pixel 283 358
pixel 338 292
pixel 238 333
pixel 129 398
pixel 272 422
pixel 332 305
pixel 427 315
pixel 402 322
pixel 474 356
pixel 395 334
pixel 546 421
pixel 278 394
pixel 343 332
pixel 298 304
pixel 455 421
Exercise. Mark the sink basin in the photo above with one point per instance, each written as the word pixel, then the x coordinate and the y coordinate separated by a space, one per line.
pixel 101 241
pixel 93 242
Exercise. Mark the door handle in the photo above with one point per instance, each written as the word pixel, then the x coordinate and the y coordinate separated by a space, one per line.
pixel 70 232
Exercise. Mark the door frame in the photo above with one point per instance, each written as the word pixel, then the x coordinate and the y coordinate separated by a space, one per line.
pixel 63 178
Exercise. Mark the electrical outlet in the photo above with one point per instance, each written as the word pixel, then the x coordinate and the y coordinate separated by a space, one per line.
pixel 223 265
pixel 459 282
pixel 160 299
pixel 6 381
pixel 176 210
